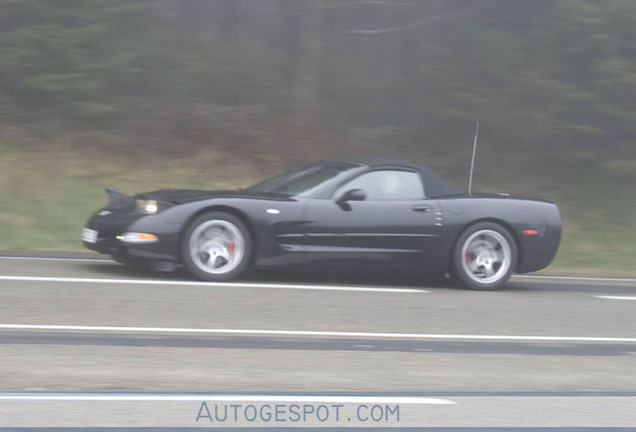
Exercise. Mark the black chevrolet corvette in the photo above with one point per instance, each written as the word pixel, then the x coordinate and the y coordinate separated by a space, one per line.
pixel 346 211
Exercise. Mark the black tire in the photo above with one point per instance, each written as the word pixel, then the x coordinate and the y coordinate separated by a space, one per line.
pixel 216 246
pixel 484 257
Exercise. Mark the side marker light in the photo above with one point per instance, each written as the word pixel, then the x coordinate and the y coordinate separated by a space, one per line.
pixel 132 237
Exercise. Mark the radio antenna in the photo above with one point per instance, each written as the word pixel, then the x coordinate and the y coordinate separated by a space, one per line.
pixel 472 162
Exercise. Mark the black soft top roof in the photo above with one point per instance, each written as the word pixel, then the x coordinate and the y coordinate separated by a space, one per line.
pixel 435 185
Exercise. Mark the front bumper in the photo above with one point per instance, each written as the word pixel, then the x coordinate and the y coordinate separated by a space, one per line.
pixel 104 227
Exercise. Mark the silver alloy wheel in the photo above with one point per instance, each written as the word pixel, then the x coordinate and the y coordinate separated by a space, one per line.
pixel 486 256
pixel 217 246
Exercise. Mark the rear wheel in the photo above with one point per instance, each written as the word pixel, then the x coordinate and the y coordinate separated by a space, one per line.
pixel 485 256
pixel 216 246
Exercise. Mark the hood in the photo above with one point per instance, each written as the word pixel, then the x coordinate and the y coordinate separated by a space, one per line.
pixel 182 196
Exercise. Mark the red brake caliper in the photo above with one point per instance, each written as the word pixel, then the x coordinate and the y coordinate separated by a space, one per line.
pixel 469 256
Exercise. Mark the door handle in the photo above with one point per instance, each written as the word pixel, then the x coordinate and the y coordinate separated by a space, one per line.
pixel 422 208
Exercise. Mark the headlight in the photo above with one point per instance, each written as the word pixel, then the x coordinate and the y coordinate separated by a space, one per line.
pixel 147 206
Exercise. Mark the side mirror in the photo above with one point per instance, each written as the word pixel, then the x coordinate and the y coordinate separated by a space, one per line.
pixel 351 195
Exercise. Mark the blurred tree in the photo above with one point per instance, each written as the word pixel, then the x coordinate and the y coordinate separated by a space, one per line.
pixel 554 80
pixel 85 51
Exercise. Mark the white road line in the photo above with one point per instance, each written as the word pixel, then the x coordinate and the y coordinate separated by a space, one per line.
pixel 103 260
pixel 210 284
pixel 574 278
pixel 616 297
pixel 234 398
pixel 333 334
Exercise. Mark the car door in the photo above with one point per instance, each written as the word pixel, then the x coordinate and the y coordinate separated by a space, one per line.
pixel 394 222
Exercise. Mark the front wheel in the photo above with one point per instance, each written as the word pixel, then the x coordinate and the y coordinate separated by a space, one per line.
pixel 216 246
pixel 485 256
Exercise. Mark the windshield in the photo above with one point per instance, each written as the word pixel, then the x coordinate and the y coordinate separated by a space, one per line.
pixel 303 180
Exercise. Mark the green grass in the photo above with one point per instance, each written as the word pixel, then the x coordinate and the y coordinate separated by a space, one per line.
pixel 599 251
pixel 46 197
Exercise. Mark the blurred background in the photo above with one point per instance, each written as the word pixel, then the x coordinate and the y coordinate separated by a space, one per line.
pixel 147 94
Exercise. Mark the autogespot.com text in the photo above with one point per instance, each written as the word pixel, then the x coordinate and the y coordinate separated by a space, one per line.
pixel 297 413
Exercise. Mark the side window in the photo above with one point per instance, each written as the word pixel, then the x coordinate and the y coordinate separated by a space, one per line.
pixel 386 185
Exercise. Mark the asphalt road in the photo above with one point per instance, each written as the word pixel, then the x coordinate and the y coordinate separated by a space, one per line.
pixel 80 337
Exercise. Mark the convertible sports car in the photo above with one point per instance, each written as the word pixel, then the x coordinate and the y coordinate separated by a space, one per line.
pixel 345 211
